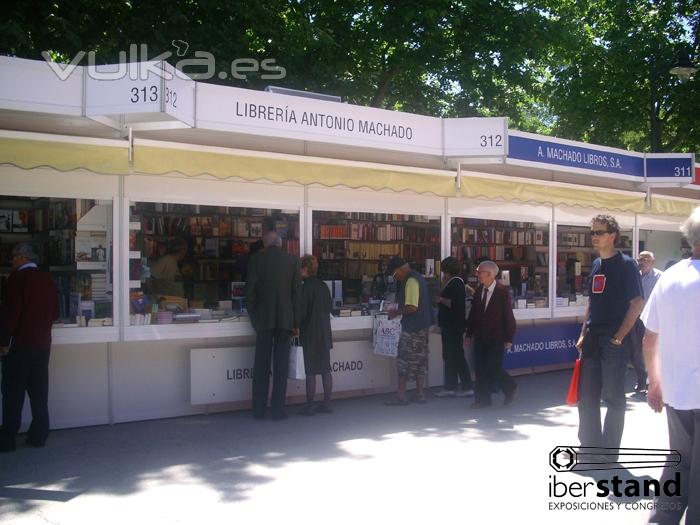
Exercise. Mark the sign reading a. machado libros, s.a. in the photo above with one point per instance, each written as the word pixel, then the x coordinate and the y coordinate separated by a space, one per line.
pixel 543 345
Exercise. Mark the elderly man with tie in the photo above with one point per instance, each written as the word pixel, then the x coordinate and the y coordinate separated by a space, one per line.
pixel 492 325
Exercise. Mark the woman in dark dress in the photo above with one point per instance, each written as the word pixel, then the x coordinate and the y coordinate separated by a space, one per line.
pixel 451 319
pixel 315 335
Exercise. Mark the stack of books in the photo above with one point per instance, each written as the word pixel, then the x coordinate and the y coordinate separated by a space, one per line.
pixel 164 317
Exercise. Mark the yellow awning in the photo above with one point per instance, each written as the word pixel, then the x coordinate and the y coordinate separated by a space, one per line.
pixel 154 160
pixel 64 156
pixel 540 193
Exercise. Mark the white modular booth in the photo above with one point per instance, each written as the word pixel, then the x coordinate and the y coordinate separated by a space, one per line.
pixel 105 184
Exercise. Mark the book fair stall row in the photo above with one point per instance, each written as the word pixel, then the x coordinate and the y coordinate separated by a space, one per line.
pixel 146 220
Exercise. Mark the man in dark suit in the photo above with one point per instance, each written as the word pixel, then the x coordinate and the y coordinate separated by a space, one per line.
pixel 29 308
pixel 492 325
pixel 273 296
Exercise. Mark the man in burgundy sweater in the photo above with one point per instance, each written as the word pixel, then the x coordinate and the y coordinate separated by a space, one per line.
pixel 29 307
pixel 492 325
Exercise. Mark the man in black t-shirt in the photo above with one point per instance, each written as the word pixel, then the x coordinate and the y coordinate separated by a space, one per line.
pixel 452 321
pixel 616 300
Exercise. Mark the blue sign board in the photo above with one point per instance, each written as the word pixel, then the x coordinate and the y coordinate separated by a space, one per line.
pixel 543 345
pixel 671 168
pixel 570 156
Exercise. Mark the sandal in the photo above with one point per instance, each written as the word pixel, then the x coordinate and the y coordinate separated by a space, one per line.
pixel 418 399
pixel 395 402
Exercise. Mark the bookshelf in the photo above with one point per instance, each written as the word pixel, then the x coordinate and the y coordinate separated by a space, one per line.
pixel 575 255
pixel 218 239
pixel 521 250
pixel 354 247
pixel 73 241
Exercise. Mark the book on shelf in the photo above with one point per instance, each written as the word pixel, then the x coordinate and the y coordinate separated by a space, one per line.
pixel 61 214
pixel 240 228
pixel 20 221
pixel 211 248
pixel 429 268
pixel 90 246
pixel 141 319
pixel 256 229
pixel 61 247
pixel 225 227
pixel 505 277
pixel 5 221
pixel 293 246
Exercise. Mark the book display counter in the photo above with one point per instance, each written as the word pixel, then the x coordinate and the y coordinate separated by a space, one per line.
pixel 141 366
pixel 73 240
pixel 188 263
pixel 353 248
pixel 521 250
pixel 146 216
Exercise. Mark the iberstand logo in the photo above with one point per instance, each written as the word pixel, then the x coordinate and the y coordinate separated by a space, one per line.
pixel 201 67
pixel 605 466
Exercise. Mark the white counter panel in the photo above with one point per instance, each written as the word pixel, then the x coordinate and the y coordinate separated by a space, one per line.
pixel 78 387
pixel 151 380
pixel 225 375
pixel 224 329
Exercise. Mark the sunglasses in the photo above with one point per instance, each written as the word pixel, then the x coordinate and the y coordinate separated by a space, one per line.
pixel 599 233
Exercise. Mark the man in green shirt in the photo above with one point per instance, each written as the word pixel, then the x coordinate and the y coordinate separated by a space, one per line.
pixel 416 311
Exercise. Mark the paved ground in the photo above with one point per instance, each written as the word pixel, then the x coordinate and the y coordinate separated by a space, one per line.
pixel 366 463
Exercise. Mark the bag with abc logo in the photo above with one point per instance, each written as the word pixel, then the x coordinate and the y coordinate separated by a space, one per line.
pixel 386 335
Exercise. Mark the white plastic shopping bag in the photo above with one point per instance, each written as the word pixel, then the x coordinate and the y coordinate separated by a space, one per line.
pixel 296 361
pixel 386 335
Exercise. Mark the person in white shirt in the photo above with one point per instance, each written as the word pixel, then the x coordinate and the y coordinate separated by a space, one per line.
pixel 672 355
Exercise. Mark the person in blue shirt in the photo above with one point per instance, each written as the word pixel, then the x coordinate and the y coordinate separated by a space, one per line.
pixel 615 301
pixel 650 276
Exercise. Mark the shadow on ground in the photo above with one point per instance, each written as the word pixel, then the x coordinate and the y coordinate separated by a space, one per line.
pixel 224 451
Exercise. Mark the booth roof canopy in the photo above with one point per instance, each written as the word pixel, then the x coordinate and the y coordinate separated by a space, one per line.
pixel 112 158
pixel 44 97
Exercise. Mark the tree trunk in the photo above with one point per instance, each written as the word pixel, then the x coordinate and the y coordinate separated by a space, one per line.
pixel 383 86
pixel 654 122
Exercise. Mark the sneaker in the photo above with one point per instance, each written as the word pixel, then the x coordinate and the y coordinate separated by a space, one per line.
pixel 446 393
pixel 466 393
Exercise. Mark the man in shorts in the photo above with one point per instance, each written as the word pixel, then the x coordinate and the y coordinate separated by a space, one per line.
pixel 416 311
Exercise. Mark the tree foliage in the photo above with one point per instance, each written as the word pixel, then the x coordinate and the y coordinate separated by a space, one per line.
pixel 587 70
pixel 614 86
